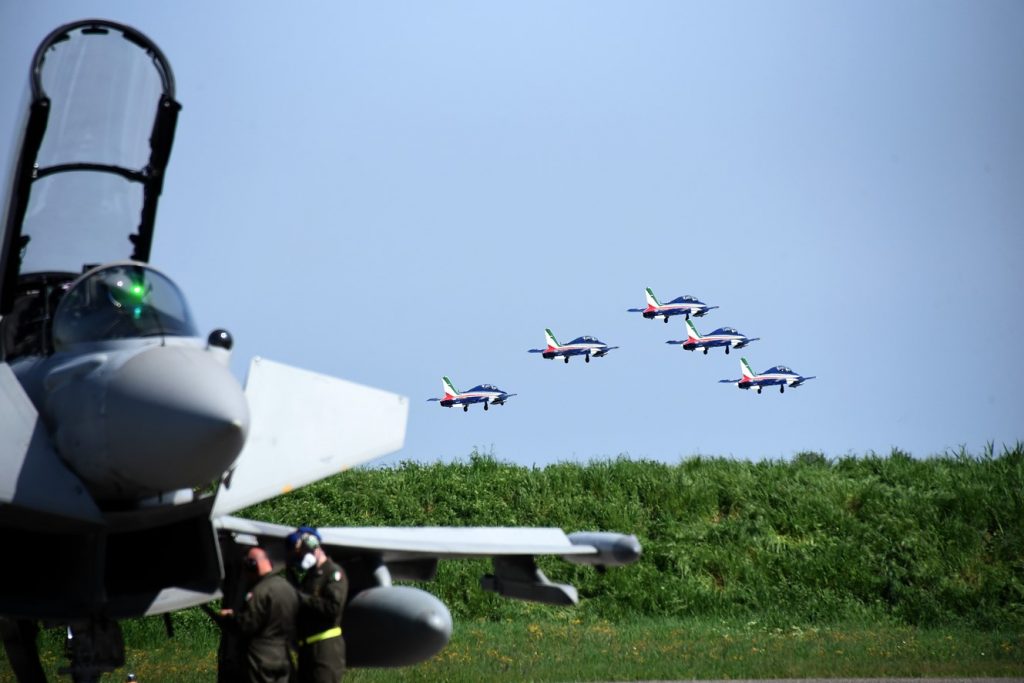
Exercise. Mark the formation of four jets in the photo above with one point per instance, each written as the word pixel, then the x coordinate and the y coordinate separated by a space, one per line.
pixel 686 306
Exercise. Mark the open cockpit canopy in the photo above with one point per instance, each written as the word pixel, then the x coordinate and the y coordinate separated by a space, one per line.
pixel 85 186
pixel 96 142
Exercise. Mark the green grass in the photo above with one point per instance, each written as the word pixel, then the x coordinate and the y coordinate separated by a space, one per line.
pixel 678 649
pixel 571 649
pixel 932 541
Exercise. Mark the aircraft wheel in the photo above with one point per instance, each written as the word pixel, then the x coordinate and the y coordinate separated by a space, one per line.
pixel 705 351
pixel 587 358
pixel 782 389
pixel 567 360
pixel 485 406
pixel 727 350
pixel 666 320
pixel 465 408
pixel 759 390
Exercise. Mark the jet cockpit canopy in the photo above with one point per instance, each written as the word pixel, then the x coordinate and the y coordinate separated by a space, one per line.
pixel 121 301
pixel 85 186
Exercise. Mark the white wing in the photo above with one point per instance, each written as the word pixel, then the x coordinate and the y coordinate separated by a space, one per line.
pixel 413 552
pixel 304 427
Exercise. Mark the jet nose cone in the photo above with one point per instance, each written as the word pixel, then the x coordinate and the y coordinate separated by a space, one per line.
pixel 176 418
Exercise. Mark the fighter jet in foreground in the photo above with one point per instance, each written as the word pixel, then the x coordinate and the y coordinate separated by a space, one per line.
pixel 682 305
pixel 723 336
pixel 488 394
pixel 126 445
pixel 580 346
pixel 778 375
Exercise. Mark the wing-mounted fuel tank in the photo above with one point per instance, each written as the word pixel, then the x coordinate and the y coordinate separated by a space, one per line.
pixel 393 626
pixel 85 186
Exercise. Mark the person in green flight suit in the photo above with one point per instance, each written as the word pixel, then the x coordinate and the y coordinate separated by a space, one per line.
pixel 266 621
pixel 231 653
pixel 323 589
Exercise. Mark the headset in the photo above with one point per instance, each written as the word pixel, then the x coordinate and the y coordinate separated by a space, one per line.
pixel 303 543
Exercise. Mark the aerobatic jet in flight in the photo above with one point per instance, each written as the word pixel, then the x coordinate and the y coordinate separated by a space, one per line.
pixel 682 305
pixel 488 394
pixel 580 346
pixel 778 375
pixel 728 337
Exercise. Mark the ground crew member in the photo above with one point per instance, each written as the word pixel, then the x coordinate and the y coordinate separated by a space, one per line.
pixel 231 655
pixel 266 621
pixel 323 589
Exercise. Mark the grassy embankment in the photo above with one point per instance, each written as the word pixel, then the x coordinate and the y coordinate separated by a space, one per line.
pixel 860 566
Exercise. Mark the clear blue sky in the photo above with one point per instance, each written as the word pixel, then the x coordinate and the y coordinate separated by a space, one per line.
pixel 392 191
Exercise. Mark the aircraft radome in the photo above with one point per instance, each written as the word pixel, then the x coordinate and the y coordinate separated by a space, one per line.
pixel 488 394
pixel 123 436
pixel 580 346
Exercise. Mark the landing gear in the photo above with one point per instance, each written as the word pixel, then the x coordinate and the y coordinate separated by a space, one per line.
pixel 94 647
pixel 485 405
pixel 567 360
pixel 19 636
pixel 782 389
pixel 727 350
pixel 705 350
pixel 759 390
pixel 465 408
pixel 666 319
pixel 587 358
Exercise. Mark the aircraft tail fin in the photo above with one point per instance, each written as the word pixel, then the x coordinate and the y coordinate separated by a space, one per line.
pixel 448 388
pixel 745 368
pixel 549 337
pixel 692 332
pixel 651 299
